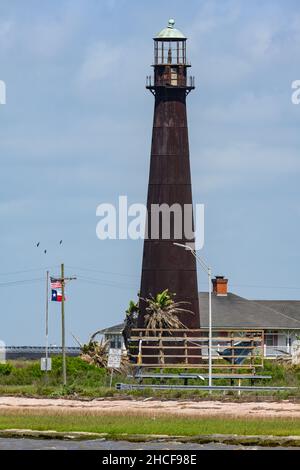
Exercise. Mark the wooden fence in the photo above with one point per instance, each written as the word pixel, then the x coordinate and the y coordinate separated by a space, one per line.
pixel 184 348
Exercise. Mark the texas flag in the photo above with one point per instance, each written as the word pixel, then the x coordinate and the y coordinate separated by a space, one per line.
pixel 56 295
pixel 56 290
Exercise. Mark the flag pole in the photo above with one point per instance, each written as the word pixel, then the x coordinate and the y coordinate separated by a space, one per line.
pixel 47 318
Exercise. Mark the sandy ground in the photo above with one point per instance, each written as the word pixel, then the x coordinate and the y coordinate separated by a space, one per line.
pixel 284 409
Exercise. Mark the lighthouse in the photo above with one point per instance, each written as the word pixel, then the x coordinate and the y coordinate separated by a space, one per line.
pixel 164 265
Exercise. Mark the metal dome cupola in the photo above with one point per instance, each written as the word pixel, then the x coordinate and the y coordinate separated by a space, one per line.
pixel 170 33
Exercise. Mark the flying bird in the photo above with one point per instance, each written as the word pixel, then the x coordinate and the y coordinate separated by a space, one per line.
pixel 38 244
pixel 45 251
pixel 60 242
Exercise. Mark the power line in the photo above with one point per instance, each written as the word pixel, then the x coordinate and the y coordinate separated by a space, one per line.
pixel 102 272
pixel 104 282
pixel 20 282
pixel 27 270
pixel 98 279
pixel 136 276
pixel 254 286
pixel 265 287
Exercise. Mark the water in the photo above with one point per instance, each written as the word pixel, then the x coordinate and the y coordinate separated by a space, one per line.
pixel 102 444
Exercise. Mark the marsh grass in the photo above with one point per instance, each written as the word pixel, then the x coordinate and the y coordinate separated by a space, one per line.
pixel 130 423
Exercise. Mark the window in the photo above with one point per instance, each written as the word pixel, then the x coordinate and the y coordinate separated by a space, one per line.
pixel 115 341
pixel 271 338
pixel 174 76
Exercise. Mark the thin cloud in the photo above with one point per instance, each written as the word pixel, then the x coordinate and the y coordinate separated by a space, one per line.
pixel 100 61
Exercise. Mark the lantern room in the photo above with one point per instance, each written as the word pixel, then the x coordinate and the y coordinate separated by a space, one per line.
pixel 170 62
pixel 170 46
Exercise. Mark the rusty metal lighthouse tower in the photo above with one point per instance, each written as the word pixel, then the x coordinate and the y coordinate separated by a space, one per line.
pixel 166 266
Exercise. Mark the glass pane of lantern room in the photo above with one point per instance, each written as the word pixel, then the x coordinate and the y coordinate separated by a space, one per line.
pixel 179 52
pixel 158 52
pixel 173 52
pixel 181 47
pixel 169 53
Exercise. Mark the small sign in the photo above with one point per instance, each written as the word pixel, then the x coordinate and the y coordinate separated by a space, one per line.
pixel 46 364
pixel 2 353
pixel 114 358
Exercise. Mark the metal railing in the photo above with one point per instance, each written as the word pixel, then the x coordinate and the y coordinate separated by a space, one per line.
pixel 34 352
pixel 189 82
pixel 276 351
pixel 54 349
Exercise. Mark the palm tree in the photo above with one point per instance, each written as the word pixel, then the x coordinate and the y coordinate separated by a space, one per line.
pixel 162 311
pixel 130 320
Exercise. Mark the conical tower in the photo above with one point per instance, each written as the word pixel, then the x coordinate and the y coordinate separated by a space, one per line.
pixel 166 266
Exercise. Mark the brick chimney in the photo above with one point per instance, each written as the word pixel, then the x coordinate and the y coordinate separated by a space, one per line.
pixel 220 286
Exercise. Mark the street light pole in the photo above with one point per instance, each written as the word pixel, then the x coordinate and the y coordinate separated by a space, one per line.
pixel 63 335
pixel 206 268
pixel 209 330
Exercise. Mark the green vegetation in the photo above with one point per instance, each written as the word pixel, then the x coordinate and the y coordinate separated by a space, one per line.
pixel 162 311
pixel 24 378
pixel 130 320
pixel 6 369
pixel 131 424
pixel 87 380
pixel 27 376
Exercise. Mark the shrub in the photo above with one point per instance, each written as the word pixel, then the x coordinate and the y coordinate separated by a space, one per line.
pixel 75 365
pixel 5 369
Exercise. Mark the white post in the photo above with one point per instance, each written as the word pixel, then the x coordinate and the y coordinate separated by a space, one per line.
pixel 210 331
pixel 111 378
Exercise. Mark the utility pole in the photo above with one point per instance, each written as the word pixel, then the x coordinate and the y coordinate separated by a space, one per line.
pixel 63 280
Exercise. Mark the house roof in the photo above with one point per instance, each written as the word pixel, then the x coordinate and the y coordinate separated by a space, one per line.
pixel 287 308
pixel 116 329
pixel 232 311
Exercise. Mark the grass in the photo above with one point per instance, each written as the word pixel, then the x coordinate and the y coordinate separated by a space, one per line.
pixel 24 378
pixel 56 391
pixel 130 424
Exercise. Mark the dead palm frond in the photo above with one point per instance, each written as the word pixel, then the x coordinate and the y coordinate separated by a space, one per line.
pixel 95 352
